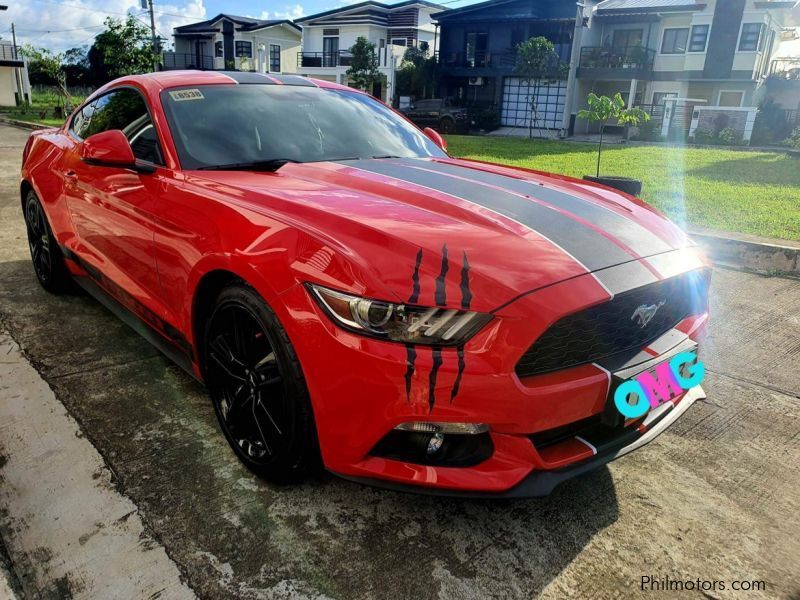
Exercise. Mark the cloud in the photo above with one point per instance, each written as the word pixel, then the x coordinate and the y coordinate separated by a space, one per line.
pixel 63 24
pixel 288 12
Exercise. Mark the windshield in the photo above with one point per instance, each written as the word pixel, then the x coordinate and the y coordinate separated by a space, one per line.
pixel 218 125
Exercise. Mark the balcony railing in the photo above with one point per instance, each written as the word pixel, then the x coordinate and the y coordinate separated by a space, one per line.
pixel 632 58
pixel 9 52
pixel 785 68
pixel 506 59
pixel 178 60
pixel 340 58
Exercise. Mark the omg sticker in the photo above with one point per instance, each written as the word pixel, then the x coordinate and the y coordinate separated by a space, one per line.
pixel 635 397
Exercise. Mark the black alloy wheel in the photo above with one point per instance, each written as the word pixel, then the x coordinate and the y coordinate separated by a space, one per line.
pixel 48 262
pixel 257 387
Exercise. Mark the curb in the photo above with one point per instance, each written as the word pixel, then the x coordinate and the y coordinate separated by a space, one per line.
pixel 23 124
pixel 760 257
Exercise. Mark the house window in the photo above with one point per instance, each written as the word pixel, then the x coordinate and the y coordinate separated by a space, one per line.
pixel 698 39
pixel 274 58
pixel 399 42
pixel 244 49
pixel 627 38
pixel 476 45
pixel 728 98
pixel 218 52
pixel 674 40
pixel 749 41
pixel 658 97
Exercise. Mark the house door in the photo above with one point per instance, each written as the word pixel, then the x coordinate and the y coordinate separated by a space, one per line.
pixel 200 55
pixel 330 51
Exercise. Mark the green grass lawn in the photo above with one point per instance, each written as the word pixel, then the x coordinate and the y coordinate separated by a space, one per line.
pixel 41 101
pixel 728 190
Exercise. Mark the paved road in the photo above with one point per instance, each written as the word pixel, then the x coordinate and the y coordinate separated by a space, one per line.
pixel 717 497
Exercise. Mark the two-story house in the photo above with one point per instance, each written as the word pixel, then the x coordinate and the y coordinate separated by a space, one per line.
pixel 477 55
pixel 708 52
pixel 328 36
pixel 14 85
pixel 233 42
pixel 716 52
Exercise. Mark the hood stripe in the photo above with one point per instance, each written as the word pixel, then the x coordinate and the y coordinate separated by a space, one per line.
pixel 638 238
pixel 591 249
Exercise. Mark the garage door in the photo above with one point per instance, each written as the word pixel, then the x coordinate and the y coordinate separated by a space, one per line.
pixel 549 102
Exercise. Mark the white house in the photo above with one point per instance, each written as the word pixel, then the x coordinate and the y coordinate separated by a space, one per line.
pixel 233 42
pixel 14 85
pixel 327 37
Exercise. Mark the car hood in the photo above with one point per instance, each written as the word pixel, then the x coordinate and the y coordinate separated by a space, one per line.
pixel 454 232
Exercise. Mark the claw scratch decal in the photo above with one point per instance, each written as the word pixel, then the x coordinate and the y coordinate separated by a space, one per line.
pixel 411 358
pixel 437 362
pixel 414 298
pixel 466 294
pixel 461 365
pixel 441 292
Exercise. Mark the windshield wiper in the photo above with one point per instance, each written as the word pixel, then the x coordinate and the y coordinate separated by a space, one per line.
pixel 273 164
pixel 388 156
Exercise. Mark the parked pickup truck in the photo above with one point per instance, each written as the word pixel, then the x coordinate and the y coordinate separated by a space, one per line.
pixel 439 113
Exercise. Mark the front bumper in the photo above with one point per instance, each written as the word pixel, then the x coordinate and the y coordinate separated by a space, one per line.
pixel 542 483
pixel 362 388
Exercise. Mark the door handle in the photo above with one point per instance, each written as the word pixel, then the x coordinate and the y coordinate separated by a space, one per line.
pixel 71 174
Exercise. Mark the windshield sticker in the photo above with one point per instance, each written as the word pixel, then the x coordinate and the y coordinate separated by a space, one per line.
pixel 181 95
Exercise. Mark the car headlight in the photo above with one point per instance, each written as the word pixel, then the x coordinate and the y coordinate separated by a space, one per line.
pixel 398 322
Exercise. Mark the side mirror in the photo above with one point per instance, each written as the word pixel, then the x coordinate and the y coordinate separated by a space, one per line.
pixel 436 138
pixel 111 149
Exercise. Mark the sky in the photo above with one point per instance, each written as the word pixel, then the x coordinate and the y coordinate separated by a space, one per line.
pixel 63 24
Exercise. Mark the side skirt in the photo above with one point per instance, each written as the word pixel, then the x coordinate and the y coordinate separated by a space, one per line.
pixel 176 355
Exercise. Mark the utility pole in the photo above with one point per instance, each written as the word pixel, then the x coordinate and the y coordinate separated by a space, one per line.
pixel 149 5
pixel 17 74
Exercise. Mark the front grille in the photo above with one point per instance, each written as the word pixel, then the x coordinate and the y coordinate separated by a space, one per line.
pixel 609 329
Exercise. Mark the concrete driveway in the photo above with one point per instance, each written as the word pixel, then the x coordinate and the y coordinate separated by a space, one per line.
pixel 716 498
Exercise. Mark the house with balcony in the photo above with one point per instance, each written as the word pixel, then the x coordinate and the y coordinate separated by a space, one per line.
pixel 477 56
pixel 230 42
pixel 706 53
pixel 328 36
pixel 712 52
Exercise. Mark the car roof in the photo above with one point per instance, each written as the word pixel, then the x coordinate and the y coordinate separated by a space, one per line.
pixel 154 83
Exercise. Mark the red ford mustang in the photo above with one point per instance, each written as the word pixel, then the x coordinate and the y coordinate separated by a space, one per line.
pixel 351 295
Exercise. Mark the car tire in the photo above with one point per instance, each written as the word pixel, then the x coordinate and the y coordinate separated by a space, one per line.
pixel 46 257
pixel 258 389
pixel 447 125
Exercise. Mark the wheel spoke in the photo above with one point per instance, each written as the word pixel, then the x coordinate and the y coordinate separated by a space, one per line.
pixel 223 355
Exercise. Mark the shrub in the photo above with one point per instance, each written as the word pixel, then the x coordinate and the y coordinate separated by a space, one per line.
pixel 487 119
pixel 704 136
pixel 649 131
pixel 729 137
pixel 794 139
pixel 770 123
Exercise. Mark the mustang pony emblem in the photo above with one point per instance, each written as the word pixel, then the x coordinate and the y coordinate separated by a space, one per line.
pixel 645 313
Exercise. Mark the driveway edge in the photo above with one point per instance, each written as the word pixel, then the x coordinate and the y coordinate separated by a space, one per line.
pixel 749 255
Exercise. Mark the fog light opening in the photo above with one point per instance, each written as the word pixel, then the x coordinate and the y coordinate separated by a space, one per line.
pixel 435 443
pixel 444 428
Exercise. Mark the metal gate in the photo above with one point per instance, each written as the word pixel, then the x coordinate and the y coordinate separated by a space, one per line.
pixel 550 101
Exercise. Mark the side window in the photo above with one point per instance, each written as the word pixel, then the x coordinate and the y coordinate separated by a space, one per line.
pixel 125 109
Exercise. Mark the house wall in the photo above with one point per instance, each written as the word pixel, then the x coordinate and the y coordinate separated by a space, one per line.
pixel 7 87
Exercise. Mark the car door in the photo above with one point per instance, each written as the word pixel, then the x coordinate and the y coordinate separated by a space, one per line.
pixel 112 208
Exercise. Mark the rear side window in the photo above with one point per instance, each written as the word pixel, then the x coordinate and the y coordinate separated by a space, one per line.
pixel 123 109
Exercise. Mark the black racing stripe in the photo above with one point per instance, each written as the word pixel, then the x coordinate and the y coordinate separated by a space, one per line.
pixel 415 289
pixel 589 247
pixel 625 277
pixel 437 362
pixel 249 77
pixel 441 289
pixel 637 237
pixel 294 80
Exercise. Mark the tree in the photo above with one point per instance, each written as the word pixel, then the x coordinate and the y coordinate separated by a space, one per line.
pixel 76 65
pixel 602 109
pixel 363 71
pixel 538 63
pixel 124 48
pixel 50 67
pixel 417 74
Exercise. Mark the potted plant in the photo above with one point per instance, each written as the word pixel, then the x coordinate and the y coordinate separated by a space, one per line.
pixel 603 109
